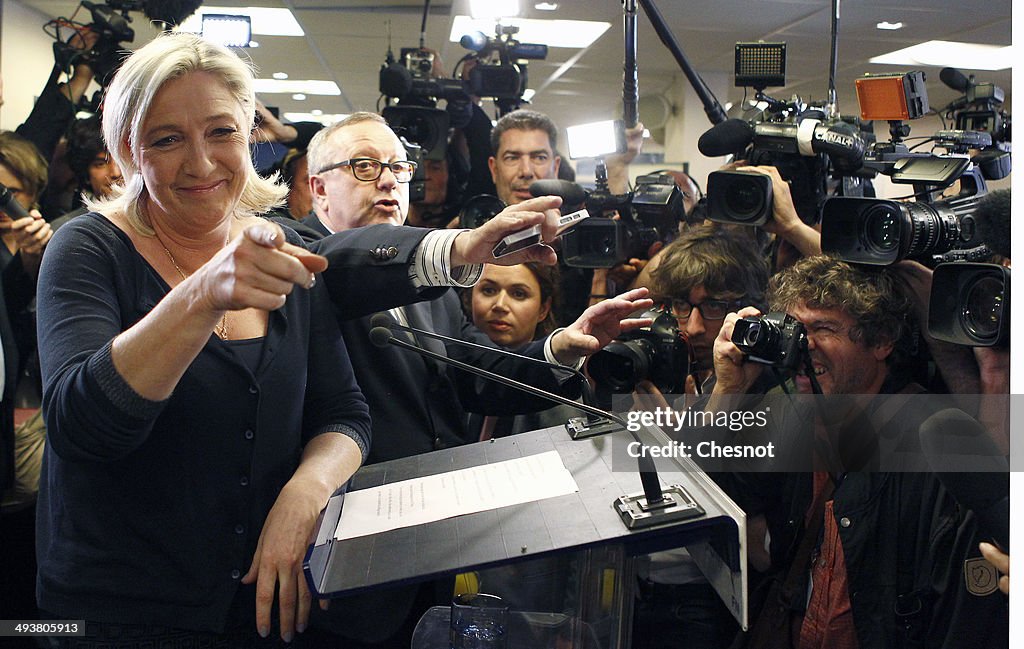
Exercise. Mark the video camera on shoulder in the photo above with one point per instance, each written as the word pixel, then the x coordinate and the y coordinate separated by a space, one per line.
pixel 932 228
pixel 111 21
pixel 808 144
pixel 412 92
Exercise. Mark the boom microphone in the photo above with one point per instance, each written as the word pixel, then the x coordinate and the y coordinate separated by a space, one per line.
pixel 955 79
pixel 568 191
pixel 725 138
pixel 170 12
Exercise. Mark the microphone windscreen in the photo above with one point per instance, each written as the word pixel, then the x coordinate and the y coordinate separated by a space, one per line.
pixel 970 466
pixel 954 79
pixel 380 336
pixel 568 191
pixel 172 12
pixel 381 320
pixel 993 221
pixel 731 136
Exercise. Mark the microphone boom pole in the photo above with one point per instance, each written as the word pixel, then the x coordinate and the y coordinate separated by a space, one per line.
pixel 630 90
pixel 712 108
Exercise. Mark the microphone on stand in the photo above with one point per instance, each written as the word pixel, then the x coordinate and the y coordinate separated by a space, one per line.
pixel 578 427
pixel 654 506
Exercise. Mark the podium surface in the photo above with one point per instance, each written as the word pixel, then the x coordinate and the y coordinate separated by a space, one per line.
pixel 570 523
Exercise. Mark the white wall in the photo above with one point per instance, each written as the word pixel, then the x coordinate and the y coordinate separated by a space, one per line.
pixel 26 59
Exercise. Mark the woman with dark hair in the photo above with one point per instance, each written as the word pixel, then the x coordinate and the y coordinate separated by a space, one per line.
pixel 514 305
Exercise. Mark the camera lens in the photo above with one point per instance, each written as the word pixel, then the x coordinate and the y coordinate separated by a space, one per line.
pixel 752 335
pixel 882 228
pixel 982 307
pixel 745 201
pixel 621 365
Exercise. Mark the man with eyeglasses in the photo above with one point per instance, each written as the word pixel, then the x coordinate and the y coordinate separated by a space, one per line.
pixel 359 176
pixel 707 272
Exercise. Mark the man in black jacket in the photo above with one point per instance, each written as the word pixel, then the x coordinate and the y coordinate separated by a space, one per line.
pixel 871 548
pixel 359 177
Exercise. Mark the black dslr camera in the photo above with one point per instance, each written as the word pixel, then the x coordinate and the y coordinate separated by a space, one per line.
pixel 657 353
pixel 777 339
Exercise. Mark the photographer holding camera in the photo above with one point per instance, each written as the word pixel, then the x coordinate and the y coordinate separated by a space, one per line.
pixel 852 522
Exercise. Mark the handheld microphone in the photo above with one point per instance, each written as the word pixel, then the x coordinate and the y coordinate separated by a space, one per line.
pixel 9 205
pixel 971 467
pixel 655 506
pixel 568 191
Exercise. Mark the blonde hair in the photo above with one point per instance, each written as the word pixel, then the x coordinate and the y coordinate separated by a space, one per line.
pixel 129 96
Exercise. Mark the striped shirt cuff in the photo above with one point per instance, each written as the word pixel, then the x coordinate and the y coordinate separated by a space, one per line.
pixel 432 263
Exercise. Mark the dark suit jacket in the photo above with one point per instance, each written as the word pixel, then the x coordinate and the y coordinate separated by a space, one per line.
pixel 418 404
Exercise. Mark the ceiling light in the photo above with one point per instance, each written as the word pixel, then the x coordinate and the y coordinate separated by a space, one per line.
pixel 493 9
pixel 324 118
pixel 291 86
pixel 968 56
pixel 553 33
pixel 528 94
pixel 227 30
pixel 546 6
pixel 266 21
pixel 889 26
pixel 299 97
pixel 254 44
pixel 280 75
pixel 317 112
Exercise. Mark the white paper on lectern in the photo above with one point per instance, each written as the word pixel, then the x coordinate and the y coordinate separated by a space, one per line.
pixel 465 491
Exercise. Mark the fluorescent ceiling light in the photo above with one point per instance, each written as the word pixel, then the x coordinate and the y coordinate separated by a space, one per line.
pixel 299 96
pixel 229 31
pixel 324 118
pixel 889 26
pixel 292 86
pixel 266 21
pixel 546 6
pixel 553 33
pixel 493 9
pixel 965 56
pixel 280 75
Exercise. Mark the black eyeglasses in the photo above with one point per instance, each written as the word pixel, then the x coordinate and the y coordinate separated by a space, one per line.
pixel 369 169
pixel 709 309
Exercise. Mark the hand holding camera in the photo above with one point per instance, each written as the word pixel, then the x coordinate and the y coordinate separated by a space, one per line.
pixel 733 374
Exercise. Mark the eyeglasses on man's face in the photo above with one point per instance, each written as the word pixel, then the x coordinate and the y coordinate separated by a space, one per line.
pixel 709 309
pixel 370 169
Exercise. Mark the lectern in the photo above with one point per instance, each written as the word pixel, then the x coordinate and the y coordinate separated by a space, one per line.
pixel 585 525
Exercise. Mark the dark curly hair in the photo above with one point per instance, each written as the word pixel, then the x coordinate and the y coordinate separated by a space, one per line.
pixel 85 142
pixel 870 296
